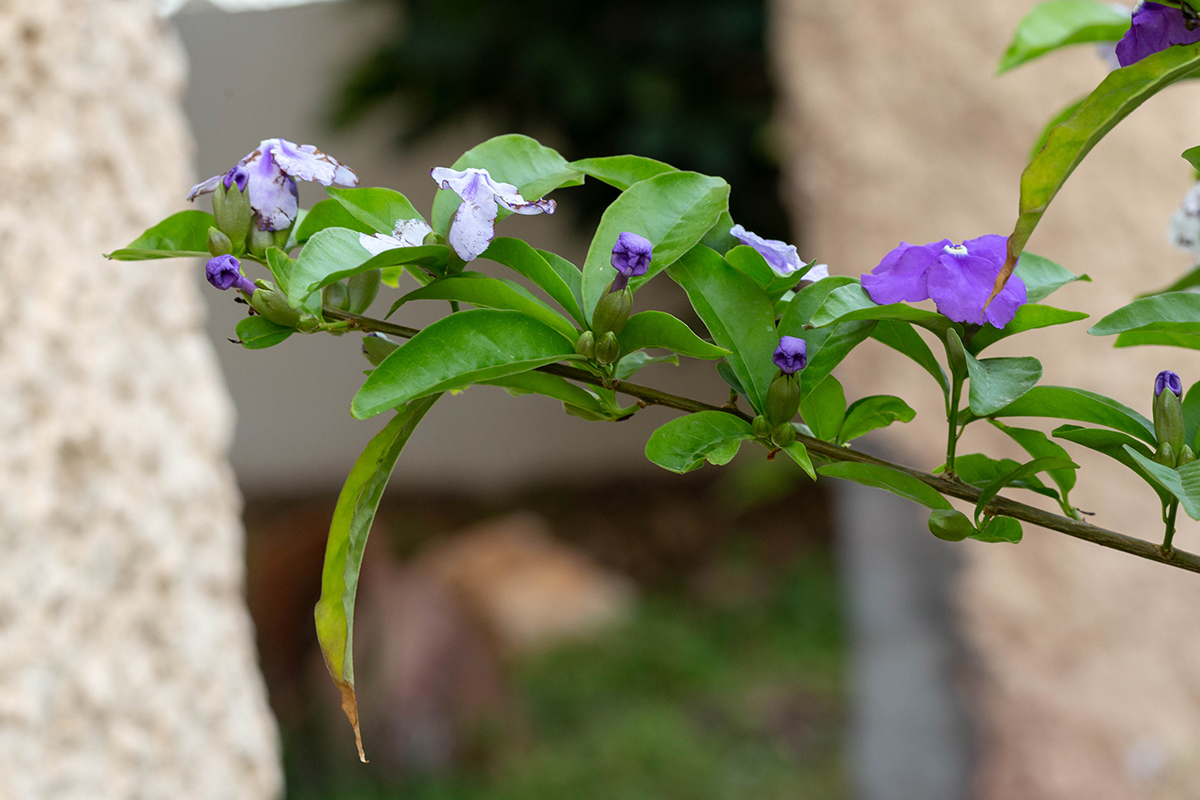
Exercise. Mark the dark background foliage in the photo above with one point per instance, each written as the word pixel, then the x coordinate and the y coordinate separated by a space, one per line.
pixel 683 81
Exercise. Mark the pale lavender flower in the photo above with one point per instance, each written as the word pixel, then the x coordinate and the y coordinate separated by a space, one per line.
pixel 780 256
pixel 631 257
pixel 819 272
pixel 1154 28
pixel 269 175
pixel 474 224
pixel 958 278
pixel 1184 232
pixel 225 272
pixel 405 233
pixel 791 355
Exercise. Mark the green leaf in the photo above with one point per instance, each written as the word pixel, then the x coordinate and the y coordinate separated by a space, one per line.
pixel 799 453
pixel 827 347
pixel 950 525
pixel 1058 23
pixel 1080 405
pixel 480 290
pixel 630 364
pixel 1192 156
pixel 378 208
pixel 1028 318
pixel 1189 280
pixel 559 279
pixel 718 237
pixel 659 329
pixel 467 347
pixel 550 386
pixel 1012 476
pixel 1039 445
pixel 1173 312
pixel 1114 99
pixel 979 470
pixel 281 268
pixel 182 235
pixel 824 408
pixel 1043 277
pixel 871 413
pixel 998 530
pixel 257 333
pixel 751 262
pixel 851 303
pixel 533 168
pixel 1190 341
pixel 336 253
pixel 894 481
pixel 673 210
pixel 1113 444
pixel 1191 415
pixel 997 382
pixel 348 531
pixel 1187 492
pixel 1063 114
pixel 685 443
pixel 903 338
pixel 621 171
pixel 804 305
pixel 737 314
pixel 328 214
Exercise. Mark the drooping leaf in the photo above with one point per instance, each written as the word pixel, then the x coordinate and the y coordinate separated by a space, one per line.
pixel 797 452
pixel 556 277
pixel 378 208
pixel 182 235
pixel 348 531
pixel 998 382
pixel 894 481
pixel 468 347
pixel 685 443
pixel 1028 318
pixel 872 413
pixel 659 329
pixel 484 292
pixel 1059 23
pixel 258 333
pixel 673 210
pixel 1080 405
pixel 621 171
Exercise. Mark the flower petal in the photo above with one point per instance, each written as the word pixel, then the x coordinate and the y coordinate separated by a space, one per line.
pixel 780 256
pixel 819 272
pixel 992 247
pixel 1154 28
pixel 306 163
pixel 379 243
pixel 471 184
pixel 960 285
pixel 474 227
pixel 411 232
pixel 205 187
pixel 902 273
pixel 272 192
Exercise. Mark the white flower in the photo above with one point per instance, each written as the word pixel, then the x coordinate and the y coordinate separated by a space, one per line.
pixel 406 233
pixel 474 224
pixel 1184 231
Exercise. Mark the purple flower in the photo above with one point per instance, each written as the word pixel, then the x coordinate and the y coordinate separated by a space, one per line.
pixel 1168 380
pixel 1154 28
pixel 781 256
pixel 225 272
pixel 959 279
pixel 791 355
pixel 482 196
pixel 270 174
pixel 630 258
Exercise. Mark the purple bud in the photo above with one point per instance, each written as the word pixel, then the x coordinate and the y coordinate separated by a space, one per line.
pixel 630 258
pixel 239 175
pixel 791 356
pixel 1168 380
pixel 225 272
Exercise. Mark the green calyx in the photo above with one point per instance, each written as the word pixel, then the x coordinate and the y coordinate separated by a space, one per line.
pixel 218 243
pixel 608 349
pixel 1168 425
pixel 274 306
pixel 612 312
pixel 233 214
pixel 376 347
pixel 783 398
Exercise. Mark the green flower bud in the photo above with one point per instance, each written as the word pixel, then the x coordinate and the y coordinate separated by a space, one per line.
pixel 376 347
pixel 1168 411
pixel 612 312
pixel 783 398
pixel 608 349
pixel 308 323
pixel 274 306
pixel 761 427
pixel 1186 456
pixel 231 208
pixel 362 289
pixel 336 295
pixel 586 346
pixel 950 525
pixel 218 243
pixel 784 435
pixel 258 242
pixel 1165 455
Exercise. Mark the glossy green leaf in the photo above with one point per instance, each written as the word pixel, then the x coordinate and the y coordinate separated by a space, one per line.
pixel 1080 405
pixel 621 171
pixel 328 213
pixel 1191 415
pixel 468 347
pixel 1113 444
pixel 718 237
pixel 659 329
pixel 632 363
pixel 673 210
pixel 1039 445
pixel 797 452
pixel 556 277
pixel 903 338
pixel 1173 312
pixel 257 333
pixel 485 292
pixel 894 481
pixel 1058 23
pixel 851 303
pixel 872 413
pixel 823 409
pixel 550 386
pixel 182 235
pixel 1186 492
pixel 1043 277
pixel 1192 156
pixel 980 470
pixel 997 530
pixel 1189 341
pixel 998 382
pixel 737 314
pixel 1028 318
pixel 749 261
pixel 348 531
pixel 1061 116
pixel 337 253
pixel 685 443
pixel 804 305
pixel 281 268
pixel 827 347
pixel 1114 99
pixel 1012 476
pixel 536 170
pixel 377 207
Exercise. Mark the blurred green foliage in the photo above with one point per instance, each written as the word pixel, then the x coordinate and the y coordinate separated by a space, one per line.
pixel 683 81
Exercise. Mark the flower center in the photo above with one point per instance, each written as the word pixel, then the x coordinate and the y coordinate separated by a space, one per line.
pixel 955 249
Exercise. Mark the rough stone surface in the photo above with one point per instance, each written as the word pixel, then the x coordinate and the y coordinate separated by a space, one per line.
pixel 126 660
pixel 899 130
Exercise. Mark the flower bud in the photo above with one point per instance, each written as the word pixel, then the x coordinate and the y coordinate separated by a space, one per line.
pixel 586 346
pixel 335 295
pixel 259 241
pixel 784 435
pixel 274 306
pixel 362 289
pixel 761 427
pixel 631 257
pixel 218 243
pixel 783 398
pixel 232 211
pixel 225 272
pixel 791 355
pixel 608 349
pixel 950 525
pixel 376 347
pixel 1186 456
pixel 1165 455
pixel 612 312
pixel 1168 412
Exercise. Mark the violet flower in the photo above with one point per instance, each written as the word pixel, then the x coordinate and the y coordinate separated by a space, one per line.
pixel 474 224
pixel 791 355
pixel 270 173
pixel 1154 28
pixel 958 278
pixel 1168 380
pixel 631 257
pixel 225 272
pixel 405 233
pixel 781 256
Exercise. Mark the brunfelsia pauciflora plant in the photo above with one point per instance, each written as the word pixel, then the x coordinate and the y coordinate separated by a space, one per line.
pixel 776 327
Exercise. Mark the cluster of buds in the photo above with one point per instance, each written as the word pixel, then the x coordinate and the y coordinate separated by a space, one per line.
pixel 783 395
pixel 631 257
pixel 1173 450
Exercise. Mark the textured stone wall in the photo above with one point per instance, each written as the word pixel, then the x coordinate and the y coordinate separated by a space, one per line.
pixel 127 667
pixel 898 130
